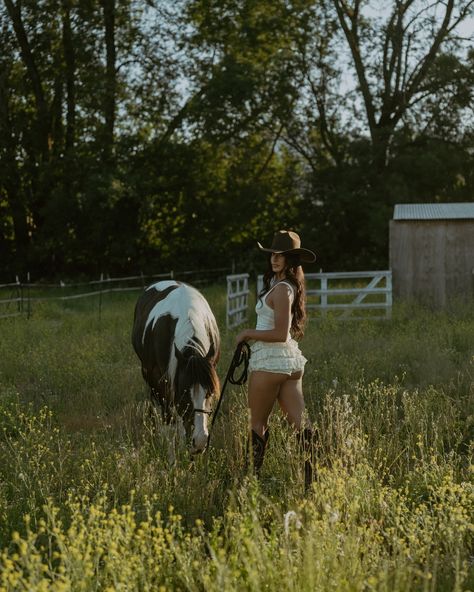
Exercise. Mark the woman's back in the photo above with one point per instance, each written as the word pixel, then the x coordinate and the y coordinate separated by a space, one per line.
pixel 265 313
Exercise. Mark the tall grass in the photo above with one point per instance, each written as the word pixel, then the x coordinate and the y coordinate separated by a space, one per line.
pixel 95 493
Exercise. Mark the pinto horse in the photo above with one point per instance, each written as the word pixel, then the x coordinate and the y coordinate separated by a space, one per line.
pixel 176 337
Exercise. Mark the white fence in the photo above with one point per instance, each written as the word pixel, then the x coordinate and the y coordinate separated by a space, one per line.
pixel 237 299
pixel 326 292
pixel 336 292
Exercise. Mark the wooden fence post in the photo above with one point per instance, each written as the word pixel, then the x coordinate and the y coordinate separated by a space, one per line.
pixel 324 295
pixel 28 314
pixel 100 296
pixel 19 295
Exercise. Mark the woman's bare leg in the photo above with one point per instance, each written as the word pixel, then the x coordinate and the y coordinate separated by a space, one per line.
pixel 262 393
pixel 290 398
pixel 292 404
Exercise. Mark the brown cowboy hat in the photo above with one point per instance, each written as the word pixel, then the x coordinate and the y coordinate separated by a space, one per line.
pixel 288 242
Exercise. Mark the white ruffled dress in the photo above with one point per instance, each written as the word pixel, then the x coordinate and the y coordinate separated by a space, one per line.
pixel 281 357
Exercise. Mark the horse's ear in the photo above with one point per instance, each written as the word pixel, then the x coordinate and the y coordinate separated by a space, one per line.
pixel 211 353
pixel 178 354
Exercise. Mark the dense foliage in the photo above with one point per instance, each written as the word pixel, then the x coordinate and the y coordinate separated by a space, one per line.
pixel 174 133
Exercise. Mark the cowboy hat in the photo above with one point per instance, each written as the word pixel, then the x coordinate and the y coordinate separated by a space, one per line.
pixel 287 242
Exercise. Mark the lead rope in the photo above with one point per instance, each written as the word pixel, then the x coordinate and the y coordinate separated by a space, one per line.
pixel 241 357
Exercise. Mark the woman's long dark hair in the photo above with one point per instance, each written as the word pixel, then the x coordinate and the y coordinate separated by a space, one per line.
pixel 295 276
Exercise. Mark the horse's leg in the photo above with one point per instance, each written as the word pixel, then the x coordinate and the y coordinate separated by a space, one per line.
pixel 158 391
pixel 154 398
pixel 160 397
pixel 160 401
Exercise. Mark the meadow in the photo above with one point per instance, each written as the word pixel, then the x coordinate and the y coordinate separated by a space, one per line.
pixel 96 494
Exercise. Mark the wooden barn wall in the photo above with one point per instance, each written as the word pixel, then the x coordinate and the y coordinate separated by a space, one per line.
pixel 432 261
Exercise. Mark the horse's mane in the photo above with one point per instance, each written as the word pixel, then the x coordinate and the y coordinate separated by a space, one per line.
pixel 201 370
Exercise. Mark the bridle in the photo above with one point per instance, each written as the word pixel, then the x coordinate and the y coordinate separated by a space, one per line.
pixel 241 357
pixel 186 390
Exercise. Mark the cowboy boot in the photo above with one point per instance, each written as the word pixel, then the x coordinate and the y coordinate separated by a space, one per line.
pixel 258 445
pixel 307 440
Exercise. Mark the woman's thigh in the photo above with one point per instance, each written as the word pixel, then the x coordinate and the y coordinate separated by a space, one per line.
pixel 290 398
pixel 262 393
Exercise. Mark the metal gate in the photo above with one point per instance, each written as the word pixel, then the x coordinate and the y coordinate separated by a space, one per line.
pixel 237 299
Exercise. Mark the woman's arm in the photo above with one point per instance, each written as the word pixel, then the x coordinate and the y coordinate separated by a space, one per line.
pixel 282 308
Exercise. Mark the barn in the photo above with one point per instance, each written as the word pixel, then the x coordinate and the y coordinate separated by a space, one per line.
pixel 432 252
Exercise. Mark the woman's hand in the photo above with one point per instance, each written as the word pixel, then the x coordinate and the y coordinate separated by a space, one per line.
pixel 242 336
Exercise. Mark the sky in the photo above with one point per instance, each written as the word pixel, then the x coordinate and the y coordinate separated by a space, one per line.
pixel 383 9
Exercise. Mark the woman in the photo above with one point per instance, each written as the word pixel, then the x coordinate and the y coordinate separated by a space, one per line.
pixel 276 362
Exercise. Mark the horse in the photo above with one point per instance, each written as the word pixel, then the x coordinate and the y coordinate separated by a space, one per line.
pixel 176 337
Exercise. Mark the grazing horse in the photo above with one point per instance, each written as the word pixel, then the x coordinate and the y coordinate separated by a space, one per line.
pixel 176 337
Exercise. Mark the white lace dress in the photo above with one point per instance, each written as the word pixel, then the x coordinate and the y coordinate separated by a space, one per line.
pixel 283 357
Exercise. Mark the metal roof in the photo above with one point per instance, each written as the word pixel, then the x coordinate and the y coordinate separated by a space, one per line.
pixel 434 211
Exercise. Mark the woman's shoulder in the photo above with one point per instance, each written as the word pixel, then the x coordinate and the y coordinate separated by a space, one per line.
pixel 288 284
pixel 284 287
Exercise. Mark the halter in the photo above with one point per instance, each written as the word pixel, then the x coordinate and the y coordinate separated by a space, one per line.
pixel 241 356
pixel 198 410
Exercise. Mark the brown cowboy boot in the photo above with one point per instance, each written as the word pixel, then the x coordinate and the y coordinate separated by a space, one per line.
pixel 258 445
pixel 307 440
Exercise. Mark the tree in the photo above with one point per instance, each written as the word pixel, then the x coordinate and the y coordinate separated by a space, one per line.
pixel 58 118
pixel 124 123
pixel 392 79
pixel 346 132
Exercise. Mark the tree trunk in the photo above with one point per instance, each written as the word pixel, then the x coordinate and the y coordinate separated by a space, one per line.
pixel 11 179
pixel 41 137
pixel 70 62
pixel 381 136
pixel 39 145
pixel 108 7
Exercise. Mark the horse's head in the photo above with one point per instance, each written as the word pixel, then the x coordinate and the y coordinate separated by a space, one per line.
pixel 196 384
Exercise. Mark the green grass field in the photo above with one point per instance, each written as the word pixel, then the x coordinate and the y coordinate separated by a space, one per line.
pixel 96 495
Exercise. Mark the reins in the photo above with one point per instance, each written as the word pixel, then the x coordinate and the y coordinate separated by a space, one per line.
pixel 241 357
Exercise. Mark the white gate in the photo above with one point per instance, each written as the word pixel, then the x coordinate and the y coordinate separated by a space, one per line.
pixel 237 299
pixel 348 292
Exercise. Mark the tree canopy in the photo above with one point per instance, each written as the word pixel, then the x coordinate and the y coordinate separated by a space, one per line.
pixel 159 134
